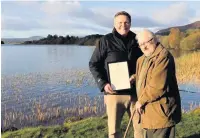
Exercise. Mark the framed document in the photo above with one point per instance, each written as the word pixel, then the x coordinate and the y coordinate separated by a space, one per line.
pixel 119 75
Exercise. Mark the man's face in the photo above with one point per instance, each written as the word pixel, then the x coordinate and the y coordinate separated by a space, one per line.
pixel 122 24
pixel 147 46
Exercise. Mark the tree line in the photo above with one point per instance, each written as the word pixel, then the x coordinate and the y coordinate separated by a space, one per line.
pixel 188 40
pixel 55 39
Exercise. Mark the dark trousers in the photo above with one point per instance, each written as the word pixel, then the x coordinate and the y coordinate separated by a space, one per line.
pixel 168 132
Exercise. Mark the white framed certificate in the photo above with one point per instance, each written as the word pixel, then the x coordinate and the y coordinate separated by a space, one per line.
pixel 119 75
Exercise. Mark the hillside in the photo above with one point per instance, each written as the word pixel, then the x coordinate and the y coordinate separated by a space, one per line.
pixel 195 25
pixel 20 40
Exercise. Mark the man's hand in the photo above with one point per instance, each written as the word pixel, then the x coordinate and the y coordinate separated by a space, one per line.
pixel 108 89
pixel 138 107
pixel 132 79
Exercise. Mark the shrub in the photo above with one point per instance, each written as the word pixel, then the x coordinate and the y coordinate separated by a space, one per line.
pixel 165 41
pixel 174 38
pixel 191 42
pixel 191 31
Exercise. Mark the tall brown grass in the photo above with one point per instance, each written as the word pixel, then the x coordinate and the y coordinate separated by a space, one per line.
pixel 188 68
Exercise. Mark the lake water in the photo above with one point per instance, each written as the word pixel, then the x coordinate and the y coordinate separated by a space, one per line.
pixel 43 58
pixel 48 58
pixel 55 77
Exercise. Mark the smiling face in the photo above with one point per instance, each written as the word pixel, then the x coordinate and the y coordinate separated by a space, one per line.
pixel 122 24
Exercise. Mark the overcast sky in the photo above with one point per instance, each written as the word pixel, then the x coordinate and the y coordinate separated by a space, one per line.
pixel 21 19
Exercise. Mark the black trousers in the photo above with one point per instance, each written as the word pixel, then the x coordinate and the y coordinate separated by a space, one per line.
pixel 168 132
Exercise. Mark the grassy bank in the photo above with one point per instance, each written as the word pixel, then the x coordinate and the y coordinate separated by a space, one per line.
pixel 188 68
pixel 97 127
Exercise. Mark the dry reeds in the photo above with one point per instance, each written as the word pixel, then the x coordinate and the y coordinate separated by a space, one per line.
pixel 188 68
pixel 36 99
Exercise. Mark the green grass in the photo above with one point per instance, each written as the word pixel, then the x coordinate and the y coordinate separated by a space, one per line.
pixel 96 127
pixel 189 127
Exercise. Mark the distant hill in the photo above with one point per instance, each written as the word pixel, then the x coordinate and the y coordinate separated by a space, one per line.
pixel 35 37
pixel 183 37
pixel 20 40
pixel 195 25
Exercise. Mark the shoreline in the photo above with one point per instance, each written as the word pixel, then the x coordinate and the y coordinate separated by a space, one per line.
pixel 97 127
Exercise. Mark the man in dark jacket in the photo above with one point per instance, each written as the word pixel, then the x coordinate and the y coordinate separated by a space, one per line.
pixel 118 46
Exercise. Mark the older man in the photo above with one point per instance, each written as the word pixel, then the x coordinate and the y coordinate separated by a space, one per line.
pixel 158 106
pixel 118 46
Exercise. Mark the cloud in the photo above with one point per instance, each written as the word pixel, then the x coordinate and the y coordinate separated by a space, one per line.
pixel 138 29
pixel 73 10
pixel 104 17
pixel 175 14
pixel 70 25
pixel 25 3
pixel 99 16
pixel 55 8
pixel 17 23
pixel 67 8
pixel 196 17
pixel 58 17
pixel 143 21
pixel 70 17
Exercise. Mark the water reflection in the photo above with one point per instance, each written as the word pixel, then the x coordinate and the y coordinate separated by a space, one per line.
pixel 69 56
pixel 56 53
pixel 28 59
pixel 190 94
pixel 45 58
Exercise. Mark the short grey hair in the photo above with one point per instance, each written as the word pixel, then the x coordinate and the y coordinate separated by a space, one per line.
pixel 148 34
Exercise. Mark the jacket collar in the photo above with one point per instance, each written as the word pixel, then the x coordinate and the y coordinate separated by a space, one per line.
pixel 158 49
pixel 129 35
pixel 124 43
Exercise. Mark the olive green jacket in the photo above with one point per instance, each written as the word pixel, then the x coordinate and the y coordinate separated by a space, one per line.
pixel 159 92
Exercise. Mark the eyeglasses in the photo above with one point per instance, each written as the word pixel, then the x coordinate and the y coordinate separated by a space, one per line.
pixel 141 45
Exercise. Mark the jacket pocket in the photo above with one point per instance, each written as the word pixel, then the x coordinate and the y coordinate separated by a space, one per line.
pixel 164 110
pixel 158 110
pixel 153 114
pixel 164 107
